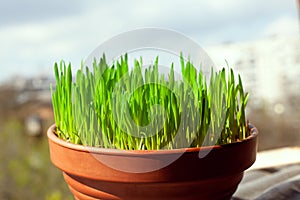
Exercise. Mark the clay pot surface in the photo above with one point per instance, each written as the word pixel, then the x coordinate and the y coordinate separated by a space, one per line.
pixel 98 173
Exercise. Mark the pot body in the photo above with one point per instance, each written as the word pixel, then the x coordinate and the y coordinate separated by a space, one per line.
pixel 210 173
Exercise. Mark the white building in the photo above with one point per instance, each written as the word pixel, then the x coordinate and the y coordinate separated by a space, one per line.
pixel 270 68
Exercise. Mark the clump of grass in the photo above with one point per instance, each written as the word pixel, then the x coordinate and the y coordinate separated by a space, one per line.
pixel 135 109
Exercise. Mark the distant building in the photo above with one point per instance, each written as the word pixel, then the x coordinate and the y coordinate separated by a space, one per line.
pixel 29 89
pixel 270 68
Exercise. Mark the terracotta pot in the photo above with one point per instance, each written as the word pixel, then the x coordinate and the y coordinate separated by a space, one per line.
pixel 97 173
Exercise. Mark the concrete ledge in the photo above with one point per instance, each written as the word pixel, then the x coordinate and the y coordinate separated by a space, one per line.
pixel 276 158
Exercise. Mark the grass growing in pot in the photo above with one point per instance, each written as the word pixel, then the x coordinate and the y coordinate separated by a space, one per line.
pixel 135 109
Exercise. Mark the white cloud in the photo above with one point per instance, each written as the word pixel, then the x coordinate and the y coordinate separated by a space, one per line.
pixel 37 43
pixel 285 25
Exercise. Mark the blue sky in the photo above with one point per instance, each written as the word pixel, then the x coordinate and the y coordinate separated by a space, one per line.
pixel 35 34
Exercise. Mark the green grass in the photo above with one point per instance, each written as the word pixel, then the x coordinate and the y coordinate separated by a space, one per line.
pixel 131 108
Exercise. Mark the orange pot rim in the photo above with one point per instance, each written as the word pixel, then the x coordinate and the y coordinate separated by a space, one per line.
pixel 53 137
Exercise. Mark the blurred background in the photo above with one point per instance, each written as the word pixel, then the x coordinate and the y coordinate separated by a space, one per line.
pixel 259 39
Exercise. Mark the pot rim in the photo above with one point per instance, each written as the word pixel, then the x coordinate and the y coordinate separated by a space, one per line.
pixel 53 137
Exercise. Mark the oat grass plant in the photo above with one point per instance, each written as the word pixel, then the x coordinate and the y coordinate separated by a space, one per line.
pixel 131 108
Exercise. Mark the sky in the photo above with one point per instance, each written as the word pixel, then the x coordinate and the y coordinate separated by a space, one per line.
pixel 35 34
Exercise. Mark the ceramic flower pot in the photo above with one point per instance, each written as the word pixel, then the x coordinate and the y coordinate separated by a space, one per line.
pixel 97 173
